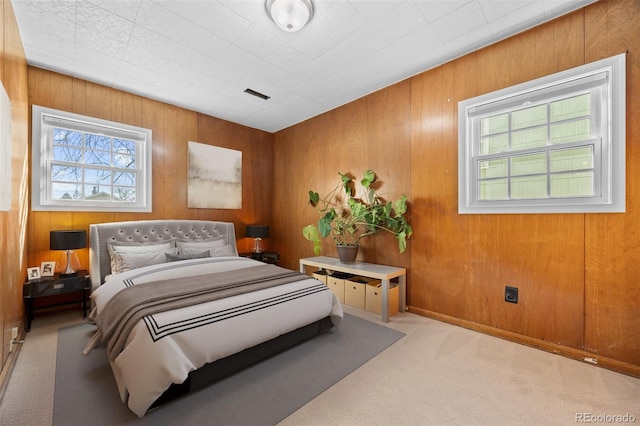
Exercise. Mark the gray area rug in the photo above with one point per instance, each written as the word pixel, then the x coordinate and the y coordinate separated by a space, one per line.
pixel 264 394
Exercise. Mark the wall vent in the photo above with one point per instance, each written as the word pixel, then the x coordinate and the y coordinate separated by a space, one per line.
pixel 258 94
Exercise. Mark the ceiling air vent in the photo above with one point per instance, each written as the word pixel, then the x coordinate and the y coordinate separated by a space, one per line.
pixel 258 94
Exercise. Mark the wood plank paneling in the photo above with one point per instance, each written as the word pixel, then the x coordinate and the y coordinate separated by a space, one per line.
pixel 568 45
pixel 13 223
pixel 433 165
pixel 388 153
pixel 4 354
pixel 575 272
pixel 369 133
pixel 172 128
pixel 613 240
pixel 300 156
pixel 480 255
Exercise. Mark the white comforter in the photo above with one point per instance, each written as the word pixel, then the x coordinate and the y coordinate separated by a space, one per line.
pixel 163 348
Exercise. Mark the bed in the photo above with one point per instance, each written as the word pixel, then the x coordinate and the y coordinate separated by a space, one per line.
pixel 161 342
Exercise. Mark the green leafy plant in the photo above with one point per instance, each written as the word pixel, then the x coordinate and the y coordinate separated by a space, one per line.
pixel 347 218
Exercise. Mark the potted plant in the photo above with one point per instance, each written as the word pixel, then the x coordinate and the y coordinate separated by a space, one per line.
pixel 348 218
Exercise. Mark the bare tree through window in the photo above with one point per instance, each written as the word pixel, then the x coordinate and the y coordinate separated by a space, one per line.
pixel 82 163
pixel 89 166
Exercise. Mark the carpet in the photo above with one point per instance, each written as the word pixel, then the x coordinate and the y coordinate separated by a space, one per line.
pixel 264 394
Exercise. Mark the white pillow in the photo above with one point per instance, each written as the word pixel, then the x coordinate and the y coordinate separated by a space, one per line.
pixel 127 261
pixel 194 252
pixel 185 247
pixel 130 247
pixel 177 257
pixel 139 247
pixel 222 251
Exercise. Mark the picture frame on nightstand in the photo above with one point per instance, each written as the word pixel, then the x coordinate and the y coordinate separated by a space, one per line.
pixel 48 269
pixel 33 273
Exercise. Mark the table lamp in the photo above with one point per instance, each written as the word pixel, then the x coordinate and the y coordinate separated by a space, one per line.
pixel 67 240
pixel 258 232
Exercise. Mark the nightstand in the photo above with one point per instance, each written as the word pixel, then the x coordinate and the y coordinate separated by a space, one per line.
pixel 265 256
pixel 56 291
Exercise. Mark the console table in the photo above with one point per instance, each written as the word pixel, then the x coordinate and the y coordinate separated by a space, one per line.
pixel 381 272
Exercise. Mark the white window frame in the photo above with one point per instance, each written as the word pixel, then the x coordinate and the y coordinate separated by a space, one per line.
pixel 42 157
pixel 608 144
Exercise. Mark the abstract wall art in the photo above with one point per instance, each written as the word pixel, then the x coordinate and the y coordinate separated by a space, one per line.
pixel 214 177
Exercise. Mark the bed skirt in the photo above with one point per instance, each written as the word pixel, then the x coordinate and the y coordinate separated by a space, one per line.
pixel 217 370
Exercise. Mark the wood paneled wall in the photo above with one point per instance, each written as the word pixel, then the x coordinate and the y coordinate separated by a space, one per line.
pixel 577 274
pixel 371 133
pixel 172 128
pixel 13 223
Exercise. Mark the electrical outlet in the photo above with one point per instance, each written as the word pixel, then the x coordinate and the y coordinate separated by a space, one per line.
pixel 511 294
pixel 14 336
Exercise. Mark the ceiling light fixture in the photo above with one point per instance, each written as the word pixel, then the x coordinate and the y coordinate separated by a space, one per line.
pixel 290 15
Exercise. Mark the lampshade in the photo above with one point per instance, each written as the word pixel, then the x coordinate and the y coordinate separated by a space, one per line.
pixel 290 15
pixel 257 231
pixel 67 240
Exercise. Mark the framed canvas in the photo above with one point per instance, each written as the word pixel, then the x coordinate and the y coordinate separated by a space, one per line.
pixel 214 178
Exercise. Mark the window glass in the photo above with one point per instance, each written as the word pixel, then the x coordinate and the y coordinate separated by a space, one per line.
pixel 572 184
pixel 528 187
pixel 572 159
pixel 571 131
pixel 494 168
pixel 494 144
pixel 495 124
pixel 555 144
pixel 529 164
pixel 529 138
pixel 529 117
pixel 572 107
pixel 86 164
pixel 496 189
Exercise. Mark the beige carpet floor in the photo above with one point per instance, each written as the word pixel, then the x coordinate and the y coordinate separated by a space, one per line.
pixel 438 374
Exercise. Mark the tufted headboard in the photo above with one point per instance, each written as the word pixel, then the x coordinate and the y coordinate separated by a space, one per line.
pixel 148 231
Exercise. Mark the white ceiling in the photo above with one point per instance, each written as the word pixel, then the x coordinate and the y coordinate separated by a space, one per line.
pixel 202 55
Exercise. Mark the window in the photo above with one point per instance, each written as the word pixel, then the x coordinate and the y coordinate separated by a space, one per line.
pixel 556 144
pixel 87 164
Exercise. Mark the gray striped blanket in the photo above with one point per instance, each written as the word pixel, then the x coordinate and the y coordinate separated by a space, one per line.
pixel 130 305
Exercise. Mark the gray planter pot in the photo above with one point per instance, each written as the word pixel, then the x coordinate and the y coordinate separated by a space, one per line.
pixel 348 254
